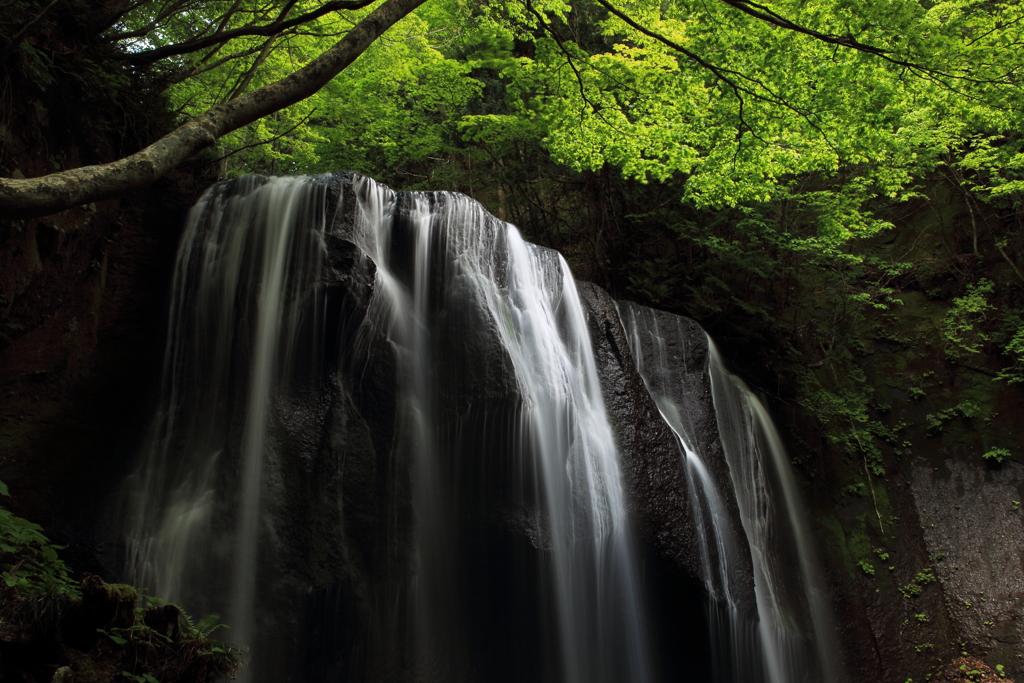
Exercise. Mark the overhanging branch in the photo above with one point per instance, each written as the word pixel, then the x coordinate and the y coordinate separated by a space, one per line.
pixel 26 198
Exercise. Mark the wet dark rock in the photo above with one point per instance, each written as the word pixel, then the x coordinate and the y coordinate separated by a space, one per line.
pixel 649 450
pixel 164 619
pixel 651 459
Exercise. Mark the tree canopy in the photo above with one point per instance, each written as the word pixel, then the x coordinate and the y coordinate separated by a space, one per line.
pixel 736 100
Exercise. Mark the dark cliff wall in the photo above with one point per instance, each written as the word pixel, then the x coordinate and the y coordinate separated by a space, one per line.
pixel 82 310
pixel 83 292
pixel 921 533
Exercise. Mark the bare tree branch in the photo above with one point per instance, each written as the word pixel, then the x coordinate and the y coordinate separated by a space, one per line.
pixel 547 28
pixel 201 68
pixel 26 198
pixel 222 36
pixel 246 78
pixel 169 9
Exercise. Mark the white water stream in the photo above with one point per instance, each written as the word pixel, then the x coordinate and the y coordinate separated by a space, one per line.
pixel 463 258
pixel 796 626
pixel 518 500
pixel 245 320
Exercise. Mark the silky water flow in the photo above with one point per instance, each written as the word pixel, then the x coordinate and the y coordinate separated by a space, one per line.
pixel 468 524
pixel 246 328
pixel 792 636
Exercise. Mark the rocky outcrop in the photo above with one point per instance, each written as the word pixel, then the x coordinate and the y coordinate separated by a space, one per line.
pixel 649 452
pixel 647 448
pixel 102 630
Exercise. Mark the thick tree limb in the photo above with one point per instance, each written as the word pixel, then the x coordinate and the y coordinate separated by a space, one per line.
pixel 273 28
pixel 26 198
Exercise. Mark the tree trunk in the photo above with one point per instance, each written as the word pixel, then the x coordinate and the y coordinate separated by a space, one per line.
pixel 28 198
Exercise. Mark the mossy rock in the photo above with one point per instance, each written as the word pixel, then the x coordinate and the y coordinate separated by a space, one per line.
pixel 109 605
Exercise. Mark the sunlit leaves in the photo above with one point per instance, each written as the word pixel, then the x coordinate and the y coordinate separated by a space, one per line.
pixel 735 109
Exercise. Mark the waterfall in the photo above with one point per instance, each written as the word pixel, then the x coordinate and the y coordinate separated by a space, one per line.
pixel 657 342
pixel 382 452
pixel 452 284
pixel 446 267
pixel 243 320
pixel 796 625
pixel 795 634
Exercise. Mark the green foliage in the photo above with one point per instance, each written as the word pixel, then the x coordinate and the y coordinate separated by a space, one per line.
pixel 143 678
pixel 997 454
pixel 866 566
pixel 32 566
pixel 921 579
pixel 35 576
pixel 460 79
pixel 961 328
pixel 183 644
pixel 1011 336
pixel 937 420
pixel 995 164
pixel 202 629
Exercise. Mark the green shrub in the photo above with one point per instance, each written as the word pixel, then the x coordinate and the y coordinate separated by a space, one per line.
pixel 961 326
pixel 32 567
pixel 997 454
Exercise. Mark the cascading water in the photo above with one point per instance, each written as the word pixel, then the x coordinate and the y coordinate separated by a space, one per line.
pixel 382 453
pixel 447 267
pixel 522 565
pixel 737 652
pixel 795 635
pixel 796 626
pixel 243 323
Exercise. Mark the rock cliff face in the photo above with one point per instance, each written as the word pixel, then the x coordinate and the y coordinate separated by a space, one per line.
pixel 909 557
pixel 83 298
pixel 971 520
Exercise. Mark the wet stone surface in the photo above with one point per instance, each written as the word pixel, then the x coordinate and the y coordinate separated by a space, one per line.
pixel 975 533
